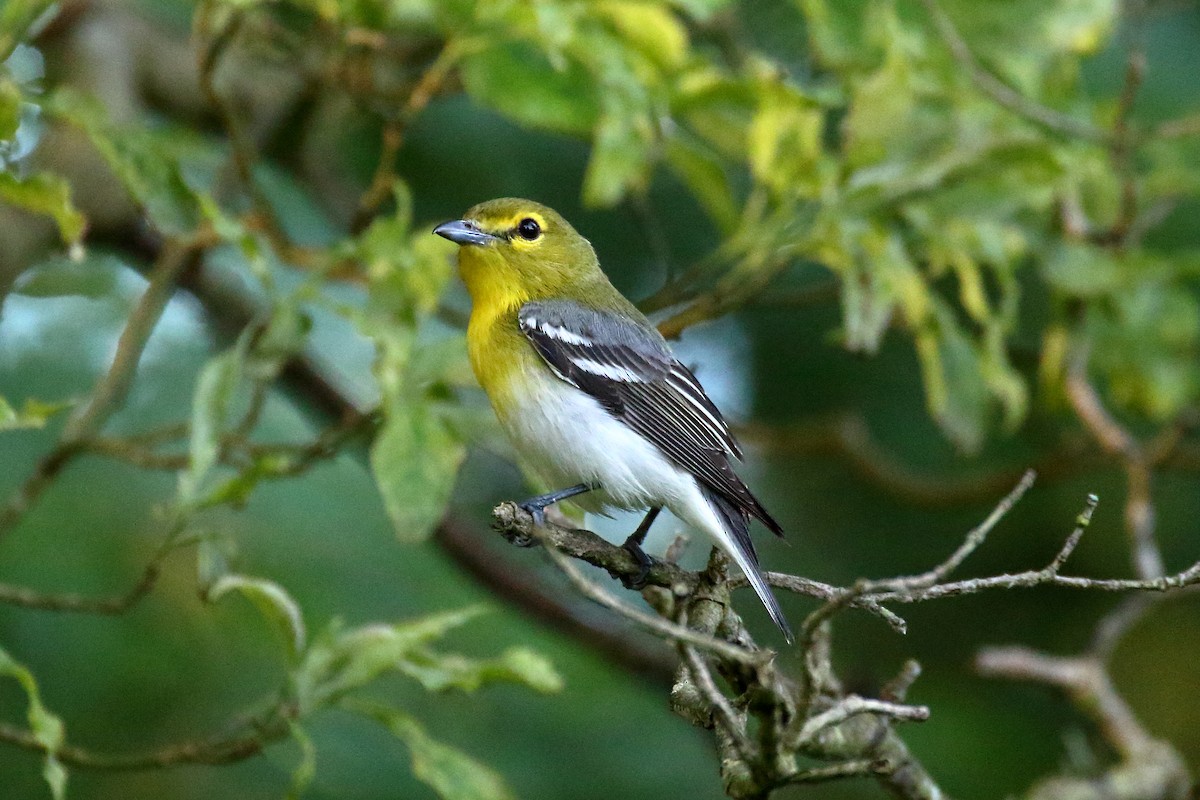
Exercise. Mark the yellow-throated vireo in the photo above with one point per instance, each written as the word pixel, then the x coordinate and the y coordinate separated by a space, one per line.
pixel 588 389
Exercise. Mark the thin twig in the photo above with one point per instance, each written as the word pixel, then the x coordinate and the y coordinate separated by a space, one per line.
pixel 862 768
pixel 112 389
pixel 392 136
pixel 1123 139
pixel 263 729
pixel 722 710
pixel 1003 94
pixel 971 543
pixel 853 705
pixel 74 603
pixel 1119 442
pixel 1084 678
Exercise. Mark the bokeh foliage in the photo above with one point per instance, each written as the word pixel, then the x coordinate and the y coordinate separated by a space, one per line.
pixel 977 184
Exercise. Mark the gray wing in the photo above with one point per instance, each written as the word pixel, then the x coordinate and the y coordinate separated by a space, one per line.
pixel 630 371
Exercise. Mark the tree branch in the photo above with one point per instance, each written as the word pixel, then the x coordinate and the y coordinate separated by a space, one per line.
pixel 1003 94
pixel 251 737
pixel 1117 441
pixel 112 389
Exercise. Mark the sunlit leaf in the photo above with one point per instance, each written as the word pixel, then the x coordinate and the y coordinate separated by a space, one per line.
pixel 651 29
pixel 705 177
pixel 441 671
pixel 42 193
pixel 621 150
pixel 1081 270
pixel 32 414
pixel 339 661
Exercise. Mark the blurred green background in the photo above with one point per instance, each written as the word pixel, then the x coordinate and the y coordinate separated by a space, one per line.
pixel 176 667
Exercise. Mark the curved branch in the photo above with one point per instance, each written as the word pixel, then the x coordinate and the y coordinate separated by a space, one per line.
pixel 251 737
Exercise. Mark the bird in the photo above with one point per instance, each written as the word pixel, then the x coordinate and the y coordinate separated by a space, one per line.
pixel 589 391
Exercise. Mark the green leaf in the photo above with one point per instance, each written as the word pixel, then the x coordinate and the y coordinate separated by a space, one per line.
pixel 146 159
pixel 33 414
pixel 46 727
pixel 272 601
pixel 407 273
pixel 42 193
pixel 1081 270
pixel 438 671
pixel 11 105
pixel 701 10
pixel 651 29
pixel 452 774
pixel 519 81
pixel 415 460
pixel 783 143
pixel 620 161
pixel 836 30
pixel 884 103
pixel 214 395
pixel 704 174
pixel 339 661
pixel 955 391
pixel 16 16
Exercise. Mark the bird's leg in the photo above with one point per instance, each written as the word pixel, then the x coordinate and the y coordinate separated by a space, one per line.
pixel 634 545
pixel 536 506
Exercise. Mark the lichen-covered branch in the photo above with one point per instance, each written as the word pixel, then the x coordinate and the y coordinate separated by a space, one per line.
pixel 765 721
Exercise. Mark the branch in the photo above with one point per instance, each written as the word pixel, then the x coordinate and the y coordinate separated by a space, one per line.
pixel 253 735
pixel 69 602
pixel 857 734
pixel 392 137
pixel 847 436
pixel 1123 140
pixel 1119 442
pixel 1148 767
pixel 516 524
pixel 1003 94
pixel 112 389
pixel 661 627
pixel 852 706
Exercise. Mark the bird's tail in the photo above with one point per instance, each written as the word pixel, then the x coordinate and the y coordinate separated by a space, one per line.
pixel 736 524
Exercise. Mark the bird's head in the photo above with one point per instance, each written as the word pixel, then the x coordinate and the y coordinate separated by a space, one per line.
pixel 513 250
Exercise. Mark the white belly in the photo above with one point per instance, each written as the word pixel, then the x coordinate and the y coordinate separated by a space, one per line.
pixel 567 438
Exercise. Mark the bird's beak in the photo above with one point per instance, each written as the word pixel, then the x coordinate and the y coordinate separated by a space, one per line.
pixel 462 231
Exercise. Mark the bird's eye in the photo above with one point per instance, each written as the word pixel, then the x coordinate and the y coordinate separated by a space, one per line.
pixel 528 229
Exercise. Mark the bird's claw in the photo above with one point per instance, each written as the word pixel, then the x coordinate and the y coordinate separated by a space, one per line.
pixel 538 513
pixel 644 561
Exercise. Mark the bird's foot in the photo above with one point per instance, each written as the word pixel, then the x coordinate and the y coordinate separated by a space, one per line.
pixel 538 512
pixel 644 562
pixel 536 508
